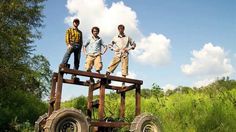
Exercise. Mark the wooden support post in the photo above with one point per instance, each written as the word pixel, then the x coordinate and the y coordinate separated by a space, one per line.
pixel 122 105
pixel 138 100
pixel 90 99
pixel 101 100
pixel 52 95
pixel 59 90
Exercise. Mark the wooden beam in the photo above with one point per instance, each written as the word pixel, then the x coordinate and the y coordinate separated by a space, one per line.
pixel 52 94
pixel 122 105
pixel 125 89
pixel 59 90
pixel 101 102
pixel 138 101
pixel 101 76
pixel 89 102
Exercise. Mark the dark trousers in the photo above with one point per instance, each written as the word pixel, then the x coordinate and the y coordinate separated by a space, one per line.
pixel 76 49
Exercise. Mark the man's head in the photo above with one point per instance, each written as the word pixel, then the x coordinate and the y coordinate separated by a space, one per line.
pixel 76 22
pixel 95 31
pixel 121 28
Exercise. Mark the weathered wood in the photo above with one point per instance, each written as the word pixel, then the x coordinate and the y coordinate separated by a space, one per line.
pixel 138 100
pixel 126 89
pixel 101 76
pixel 89 102
pixel 104 83
pixel 59 90
pixel 101 101
pixel 122 105
pixel 52 94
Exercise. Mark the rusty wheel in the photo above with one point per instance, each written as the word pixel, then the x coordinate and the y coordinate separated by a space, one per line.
pixel 39 124
pixel 67 120
pixel 145 123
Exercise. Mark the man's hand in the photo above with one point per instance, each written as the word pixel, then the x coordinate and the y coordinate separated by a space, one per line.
pixel 84 50
pixel 69 46
pixel 125 49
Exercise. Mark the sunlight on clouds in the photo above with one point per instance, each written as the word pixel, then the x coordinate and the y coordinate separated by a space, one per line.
pixel 151 50
pixel 209 61
pixel 207 64
pixel 97 13
pixel 154 50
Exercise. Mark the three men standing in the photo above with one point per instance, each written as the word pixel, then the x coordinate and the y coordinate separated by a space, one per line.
pixel 121 45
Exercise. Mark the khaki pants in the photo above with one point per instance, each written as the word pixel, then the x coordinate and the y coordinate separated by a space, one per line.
pixel 115 62
pixel 95 61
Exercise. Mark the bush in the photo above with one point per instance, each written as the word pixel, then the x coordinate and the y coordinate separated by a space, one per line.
pixel 19 107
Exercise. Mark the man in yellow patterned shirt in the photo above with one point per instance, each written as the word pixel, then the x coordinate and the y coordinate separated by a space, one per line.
pixel 74 42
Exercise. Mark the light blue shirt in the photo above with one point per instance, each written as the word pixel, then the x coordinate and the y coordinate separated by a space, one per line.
pixel 94 46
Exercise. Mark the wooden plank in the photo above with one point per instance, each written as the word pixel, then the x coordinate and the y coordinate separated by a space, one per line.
pixel 125 89
pixel 138 100
pixel 122 105
pixel 52 94
pixel 89 102
pixel 101 76
pixel 59 90
pixel 101 102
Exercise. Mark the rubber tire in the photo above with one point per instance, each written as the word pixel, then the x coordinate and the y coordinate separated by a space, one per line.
pixel 38 127
pixel 143 120
pixel 70 115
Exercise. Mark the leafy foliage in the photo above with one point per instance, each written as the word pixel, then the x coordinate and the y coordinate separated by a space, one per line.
pixel 211 108
pixel 24 77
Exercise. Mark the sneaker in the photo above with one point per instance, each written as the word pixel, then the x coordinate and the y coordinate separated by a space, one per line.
pixel 107 74
pixel 92 80
pixel 123 85
pixel 73 76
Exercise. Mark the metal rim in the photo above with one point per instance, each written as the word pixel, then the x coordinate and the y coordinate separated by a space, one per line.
pixel 149 127
pixel 68 125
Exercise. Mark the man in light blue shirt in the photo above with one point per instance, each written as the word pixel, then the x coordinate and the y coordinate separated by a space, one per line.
pixel 93 51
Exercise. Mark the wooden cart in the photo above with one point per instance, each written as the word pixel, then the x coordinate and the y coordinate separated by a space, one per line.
pixel 74 120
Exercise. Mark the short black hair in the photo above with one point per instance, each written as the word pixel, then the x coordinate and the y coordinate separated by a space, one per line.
pixel 121 26
pixel 76 20
pixel 95 28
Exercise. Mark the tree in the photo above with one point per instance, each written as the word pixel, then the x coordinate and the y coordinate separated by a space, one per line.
pixel 24 77
pixel 157 91
pixel 19 24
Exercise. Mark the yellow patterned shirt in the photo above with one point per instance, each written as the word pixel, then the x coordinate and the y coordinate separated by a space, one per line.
pixel 73 35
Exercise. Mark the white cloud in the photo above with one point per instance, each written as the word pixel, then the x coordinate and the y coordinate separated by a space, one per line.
pixel 151 50
pixel 154 50
pixel 131 75
pixel 207 64
pixel 168 87
pixel 97 13
pixel 211 61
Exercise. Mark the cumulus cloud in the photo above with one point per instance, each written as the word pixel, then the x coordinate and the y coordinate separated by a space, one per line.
pixel 97 13
pixel 207 64
pixel 209 61
pixel 153 49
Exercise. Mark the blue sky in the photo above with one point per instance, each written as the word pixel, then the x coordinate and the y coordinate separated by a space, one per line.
pixel 187 43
